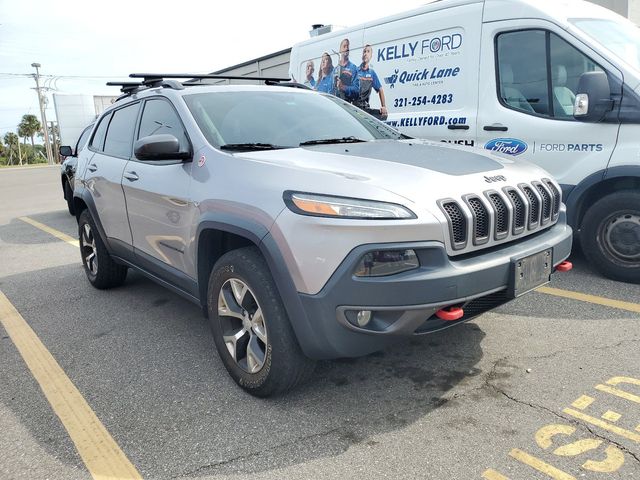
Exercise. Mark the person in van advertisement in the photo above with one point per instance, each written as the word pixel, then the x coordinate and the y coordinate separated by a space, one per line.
pixel 368 79
pixel 346 75
pixel 309 80
pixel 325 75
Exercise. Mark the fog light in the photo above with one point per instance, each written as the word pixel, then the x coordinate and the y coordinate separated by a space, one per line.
pixel 381 263
pixel 363 318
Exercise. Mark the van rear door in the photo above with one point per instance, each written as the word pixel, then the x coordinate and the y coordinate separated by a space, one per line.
pixel 530 71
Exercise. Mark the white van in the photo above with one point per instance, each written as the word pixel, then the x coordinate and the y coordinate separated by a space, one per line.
pixel 553 82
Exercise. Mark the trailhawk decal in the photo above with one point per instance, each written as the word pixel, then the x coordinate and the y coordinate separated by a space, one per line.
pixel 510 146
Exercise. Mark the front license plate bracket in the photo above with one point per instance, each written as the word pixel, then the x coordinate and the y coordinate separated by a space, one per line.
pixel 530 272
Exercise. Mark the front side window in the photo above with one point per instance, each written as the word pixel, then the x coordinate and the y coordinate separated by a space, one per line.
pixel 538 73
pixel 284 119
pixel 83 139
pixel 120 133
pixel 97 143
pixel 159 117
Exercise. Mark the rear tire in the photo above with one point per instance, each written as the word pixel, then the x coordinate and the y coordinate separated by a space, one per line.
pixel 610 236
pixel 68 195
pixel 100 268
pixel 250 326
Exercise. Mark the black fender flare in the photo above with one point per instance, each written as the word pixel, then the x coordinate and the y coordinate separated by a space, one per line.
pixel 260 236
pixel 574 195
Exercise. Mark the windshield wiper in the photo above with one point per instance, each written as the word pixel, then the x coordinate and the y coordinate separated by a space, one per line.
pixel 250 146
pixel 323 141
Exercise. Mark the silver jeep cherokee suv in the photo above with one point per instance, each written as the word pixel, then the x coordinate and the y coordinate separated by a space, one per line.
pixel 305 228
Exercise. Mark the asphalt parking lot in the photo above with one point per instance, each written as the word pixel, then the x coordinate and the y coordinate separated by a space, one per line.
pixel 547 386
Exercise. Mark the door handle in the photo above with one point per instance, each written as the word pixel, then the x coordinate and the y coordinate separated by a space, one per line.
pixel 131 176
pixel 458 127
pixel 495 128
pixel 92 167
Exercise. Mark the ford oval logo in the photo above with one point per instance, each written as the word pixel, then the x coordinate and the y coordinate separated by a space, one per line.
pixel 510 146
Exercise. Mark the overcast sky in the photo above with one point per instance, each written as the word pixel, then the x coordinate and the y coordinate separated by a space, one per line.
pixel 85 39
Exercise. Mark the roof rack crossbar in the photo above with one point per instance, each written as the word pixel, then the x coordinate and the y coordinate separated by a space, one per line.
pixel 126 87
pixel 156 76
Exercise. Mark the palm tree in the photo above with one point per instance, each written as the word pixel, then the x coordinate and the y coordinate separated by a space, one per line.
pixel 29 126
pixel 11 140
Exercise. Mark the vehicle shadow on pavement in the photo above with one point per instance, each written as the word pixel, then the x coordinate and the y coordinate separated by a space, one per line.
pixel 145 361
pixel 18 232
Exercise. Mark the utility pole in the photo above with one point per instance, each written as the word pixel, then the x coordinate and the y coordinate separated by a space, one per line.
pixel 54 143
pixel 43 116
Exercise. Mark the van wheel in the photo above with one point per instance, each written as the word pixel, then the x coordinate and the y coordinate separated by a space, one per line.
pixel 68 195
pixel 250 326
pixel 100 268
pixel 610 236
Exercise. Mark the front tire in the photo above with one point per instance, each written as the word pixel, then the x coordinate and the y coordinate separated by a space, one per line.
pixel 250 326
pixel 100 268
pixel 610 236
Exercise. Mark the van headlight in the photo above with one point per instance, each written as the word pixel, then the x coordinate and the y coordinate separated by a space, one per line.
pixel 344 207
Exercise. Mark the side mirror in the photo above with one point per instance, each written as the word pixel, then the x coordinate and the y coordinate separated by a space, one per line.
pixel 66 151
pixel 159 147
pixel 593 97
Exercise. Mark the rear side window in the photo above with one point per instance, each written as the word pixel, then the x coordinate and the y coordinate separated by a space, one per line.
pixel 120 133
pixel 98 139
pixel 159 117
pixel 538 73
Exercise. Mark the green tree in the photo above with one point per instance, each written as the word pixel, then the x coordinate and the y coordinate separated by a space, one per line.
pixel 29 126
pixel 11 141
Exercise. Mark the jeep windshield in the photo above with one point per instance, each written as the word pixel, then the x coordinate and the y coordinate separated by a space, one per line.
pixel 265 120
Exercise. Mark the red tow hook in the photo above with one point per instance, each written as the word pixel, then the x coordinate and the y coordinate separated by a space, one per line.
pixel 564 266
pixel 450 313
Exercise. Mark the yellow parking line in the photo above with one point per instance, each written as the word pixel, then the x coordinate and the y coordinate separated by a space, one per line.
pixel 52 231
pixel 607 302
pixel 539 465
pixel 491 474
pixel 99 451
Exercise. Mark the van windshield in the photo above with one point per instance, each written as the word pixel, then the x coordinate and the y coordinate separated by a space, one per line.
pixel 620 38
pixel 268 119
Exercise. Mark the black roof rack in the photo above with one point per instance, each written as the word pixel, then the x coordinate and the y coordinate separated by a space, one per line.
pixel 153 80
pixel 127 87
pixel 197 76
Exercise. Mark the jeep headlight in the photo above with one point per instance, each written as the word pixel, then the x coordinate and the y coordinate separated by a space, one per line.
pixel 344 207
pixel 381 263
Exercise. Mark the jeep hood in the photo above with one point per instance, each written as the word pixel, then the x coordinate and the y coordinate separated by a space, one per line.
pixel 418 170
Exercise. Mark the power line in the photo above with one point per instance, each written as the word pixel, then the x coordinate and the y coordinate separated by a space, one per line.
pixel 30 75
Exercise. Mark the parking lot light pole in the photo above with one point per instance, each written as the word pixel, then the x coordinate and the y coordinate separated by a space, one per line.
pixel 43 116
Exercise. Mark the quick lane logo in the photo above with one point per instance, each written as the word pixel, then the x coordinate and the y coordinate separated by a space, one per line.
pixel 392 79
pixel 442 43
pixel 510 146
pixel 420 75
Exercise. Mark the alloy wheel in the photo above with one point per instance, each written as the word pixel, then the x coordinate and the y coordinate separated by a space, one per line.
pixel 243 325
pixel 88 249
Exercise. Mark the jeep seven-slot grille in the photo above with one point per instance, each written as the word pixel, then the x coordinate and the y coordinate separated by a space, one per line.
pixel 519 211
pixel 534 206
pixel 499 214
pixel 557 198
pixel 547 203
pixel 457 222
pixel 480 220
pixel 502 215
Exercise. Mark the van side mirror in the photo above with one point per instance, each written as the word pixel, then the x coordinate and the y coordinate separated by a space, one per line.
pixel 593 97
pixel 66 151
pixel 159 147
